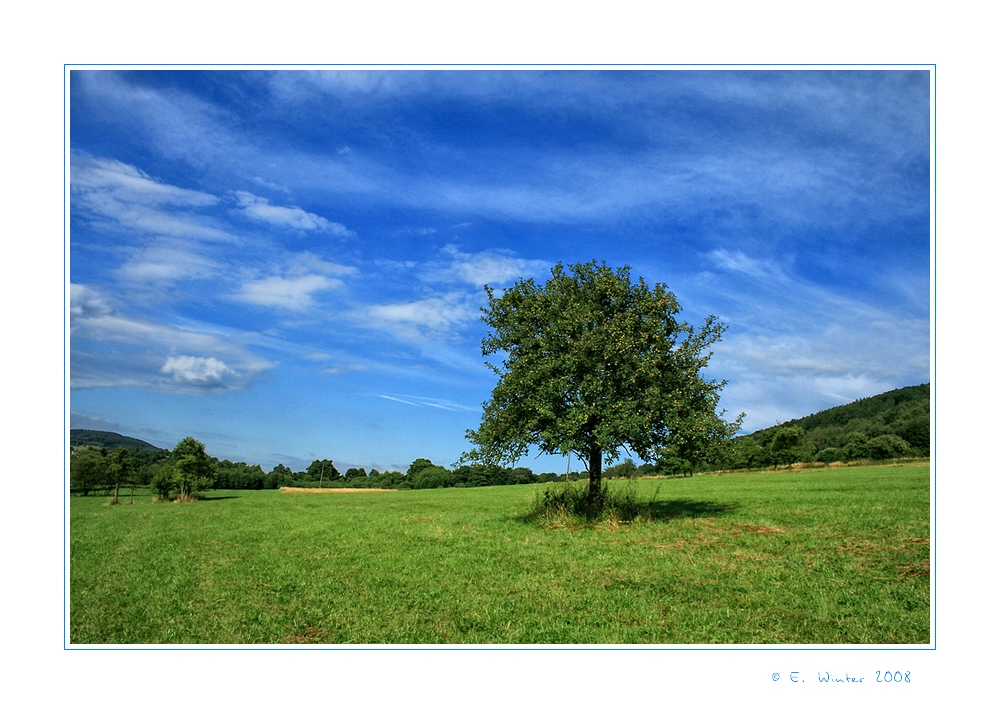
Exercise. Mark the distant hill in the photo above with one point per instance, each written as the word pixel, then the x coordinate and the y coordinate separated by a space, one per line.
pixel 896 423
pixel 107 440
pixel 881 408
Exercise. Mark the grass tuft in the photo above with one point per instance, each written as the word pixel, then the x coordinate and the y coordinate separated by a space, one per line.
pixel 568 505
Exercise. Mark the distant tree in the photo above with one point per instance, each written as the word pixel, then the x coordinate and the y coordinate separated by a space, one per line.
pixel 121 471
pixel 916 432
pixel 88 469
pixel 698 435
pixel 188 471
pixel 277 477
pixel 886 446
pixel 522 475
pixel 162 482
pixel 355 473
pixel 593 364
pixel 829 455
pixel 626 469
pixel 417 466
pixel 433 477
pixel 749 454
pixel 786 446
pixel 855 448
pixel 673 465
pixel 322 469
pixel 192 468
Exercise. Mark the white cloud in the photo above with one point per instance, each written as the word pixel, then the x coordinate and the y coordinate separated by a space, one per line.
pixel 492 268
pixel 737 261
pixel 302 263
pixel 129 184
pixel 261 210
pixel 124 197
pixel 293 293
pixel 167 261
pixel 197 371
pixel 110 349
pixel 438 315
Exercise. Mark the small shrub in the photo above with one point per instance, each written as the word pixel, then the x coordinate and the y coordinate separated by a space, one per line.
pixel 568 504
pixel 886 446
pixel 829 455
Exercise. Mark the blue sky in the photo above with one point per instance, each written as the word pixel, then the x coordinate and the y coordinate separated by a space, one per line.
pixel 289 265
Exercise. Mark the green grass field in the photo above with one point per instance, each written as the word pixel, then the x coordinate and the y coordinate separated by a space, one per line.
pixel 831 556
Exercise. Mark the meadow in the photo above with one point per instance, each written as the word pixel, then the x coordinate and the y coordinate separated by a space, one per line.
pixel 837 555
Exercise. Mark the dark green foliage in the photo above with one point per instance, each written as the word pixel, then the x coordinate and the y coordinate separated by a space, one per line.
pixel 240 475
pixel 592 364
pixel 121 470
pixel 626 469
pixel 188 472
pixel 162 482
pixel 916 432
pixel 829 455
pixel 748 453
pixel 100 472
pixel 886 446
pixel 883 408
pixel 786 446
pixel 279 476
pixel 417 466
pixel 433 477
pixel 88 469
pixel 854 446
pixel 322 469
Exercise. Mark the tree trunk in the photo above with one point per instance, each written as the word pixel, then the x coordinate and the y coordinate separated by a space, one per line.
pixel 115 501
pixel 594 494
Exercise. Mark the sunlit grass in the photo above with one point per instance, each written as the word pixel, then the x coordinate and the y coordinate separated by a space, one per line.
pixel 831 556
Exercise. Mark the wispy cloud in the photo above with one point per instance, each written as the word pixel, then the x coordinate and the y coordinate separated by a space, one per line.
pixel 292 217
pixel 432 402
pixel 494 268
pixel 738 262
pixel 291 293
pixel 124 198
pixel 112 349
pixel 796 347
pixel 418 320
pixel 85 421
pixel 128 184
pixel 167 261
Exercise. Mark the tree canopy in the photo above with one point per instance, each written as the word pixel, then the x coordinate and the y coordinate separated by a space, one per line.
pixel 188 471
pixel 593 363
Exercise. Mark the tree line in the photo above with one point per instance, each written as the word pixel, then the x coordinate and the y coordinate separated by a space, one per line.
pixel 187 470
pixel 887 426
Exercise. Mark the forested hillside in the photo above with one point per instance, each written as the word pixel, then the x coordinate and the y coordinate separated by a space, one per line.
pixel 890 425
pixel 107 440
